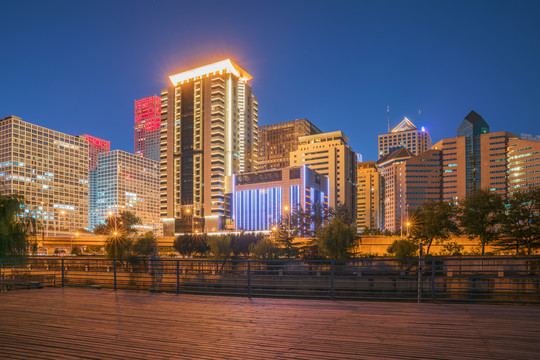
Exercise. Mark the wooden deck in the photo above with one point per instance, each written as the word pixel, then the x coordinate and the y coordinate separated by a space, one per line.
pixel 103 324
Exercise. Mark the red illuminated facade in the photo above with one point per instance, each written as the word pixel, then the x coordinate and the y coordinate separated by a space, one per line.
pixel 147 127
pixel 95 147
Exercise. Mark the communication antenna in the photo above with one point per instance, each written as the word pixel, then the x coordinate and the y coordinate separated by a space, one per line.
pixel 419 117
pixel 388 117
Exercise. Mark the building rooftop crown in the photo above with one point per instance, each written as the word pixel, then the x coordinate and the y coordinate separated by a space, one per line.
pixel 404 125
pixel 318 137
pixel 226 66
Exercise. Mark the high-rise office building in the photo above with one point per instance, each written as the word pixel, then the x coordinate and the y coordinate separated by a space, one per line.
pixel 419 180
pixel 523 165
pixel 407 135
pixel 209 131
pixel 389 170
pixel 494 161
pixel 368 196
pixel 126 182
pixel 276 141
pixel 50 170
pixel 471 128
pixel 95 147
pixel 329 155
pixel 148 127
pixel 262 199
pixel 453 171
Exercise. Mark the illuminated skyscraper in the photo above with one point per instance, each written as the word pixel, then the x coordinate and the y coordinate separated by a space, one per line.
pixel 494 159
pixel 48 168
pixel 389 170
pixel 126 182
pixel 276 141
pixel 95 147
pixel 368 197
pixel 471 128
pixel 329 155
pixel 405 134
pixel 209 131
pixel 523 165
pixel 147 127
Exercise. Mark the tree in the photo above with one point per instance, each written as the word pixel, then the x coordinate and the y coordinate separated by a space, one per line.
pixel 241 244
pixel 402 249
pixel 433 221
pixel 479 216
pixel 284 239
pixel 343 213
pixel 521 223
pixel 127 221
pixel 118 247
pixel 145 245
pixel 124 223
pixel 190 245
pixel 336 240
pixel 220 247
pixel 14 229
pixel 265 249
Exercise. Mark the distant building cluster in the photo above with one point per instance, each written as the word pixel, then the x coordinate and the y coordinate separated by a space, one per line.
pixel 201 163
pixel 451 169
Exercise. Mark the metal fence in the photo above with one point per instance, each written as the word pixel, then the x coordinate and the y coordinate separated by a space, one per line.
pixel 436 279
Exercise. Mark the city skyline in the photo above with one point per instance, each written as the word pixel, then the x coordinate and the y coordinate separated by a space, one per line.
pixel 445 74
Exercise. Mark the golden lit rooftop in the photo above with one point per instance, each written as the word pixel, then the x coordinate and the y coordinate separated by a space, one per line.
pixel 226 66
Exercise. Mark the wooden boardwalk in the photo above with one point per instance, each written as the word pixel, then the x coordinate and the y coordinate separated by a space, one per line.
pixel 103 324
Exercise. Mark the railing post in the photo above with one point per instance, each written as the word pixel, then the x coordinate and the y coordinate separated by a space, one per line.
pixel 177 277
pixel 0 275
pixel 419 298
pixel 249 278
pixel 62 272
pixel 114 269
pixel 332 280
pixel 433 280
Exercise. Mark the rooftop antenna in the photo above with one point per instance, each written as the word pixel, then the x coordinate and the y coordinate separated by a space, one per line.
pixel 388 117
pixel 419 117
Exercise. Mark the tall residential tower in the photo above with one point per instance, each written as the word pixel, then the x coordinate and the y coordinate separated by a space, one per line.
pixel 209 131
pixel 147 127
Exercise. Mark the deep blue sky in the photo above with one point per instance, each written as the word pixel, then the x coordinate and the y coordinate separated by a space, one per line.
pixel 78 66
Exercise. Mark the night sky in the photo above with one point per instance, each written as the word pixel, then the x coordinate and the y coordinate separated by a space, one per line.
pixel 78 66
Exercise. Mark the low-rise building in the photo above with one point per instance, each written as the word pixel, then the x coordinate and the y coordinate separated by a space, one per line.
pixel 263 198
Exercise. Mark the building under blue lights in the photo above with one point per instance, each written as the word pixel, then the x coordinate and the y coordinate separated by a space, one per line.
pixel 261 198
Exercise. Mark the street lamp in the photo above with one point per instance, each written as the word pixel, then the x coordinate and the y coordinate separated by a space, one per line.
pixel 408 224
pixel 286 209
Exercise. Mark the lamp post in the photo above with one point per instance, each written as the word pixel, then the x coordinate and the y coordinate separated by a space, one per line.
pixel 286 209
pixel 190 215
pixel 408 224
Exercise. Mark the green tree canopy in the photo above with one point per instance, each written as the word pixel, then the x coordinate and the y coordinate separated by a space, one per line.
pixel 191 244
pixel 146 244
pixel 265 249
pixel 14 229
pixel 118 247
pixel 480 214
pixel 403 249
pixel 123 223
pixel 241 244
pixel 433 221
pixel 220 247
pixel 520 226
pixel 336 240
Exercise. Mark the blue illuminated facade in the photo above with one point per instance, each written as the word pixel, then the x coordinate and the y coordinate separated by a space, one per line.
pixel 262 198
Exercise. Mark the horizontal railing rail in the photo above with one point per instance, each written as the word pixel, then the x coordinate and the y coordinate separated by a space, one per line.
pixel 432 279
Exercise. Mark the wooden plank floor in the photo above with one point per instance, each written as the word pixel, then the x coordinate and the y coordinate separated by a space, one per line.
pixel 102 324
